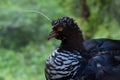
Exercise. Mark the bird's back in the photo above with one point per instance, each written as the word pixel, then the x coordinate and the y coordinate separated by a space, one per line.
pixel 101 44
pixel 110 49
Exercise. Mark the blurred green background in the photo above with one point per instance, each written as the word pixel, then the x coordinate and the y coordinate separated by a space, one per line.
pixel 24 47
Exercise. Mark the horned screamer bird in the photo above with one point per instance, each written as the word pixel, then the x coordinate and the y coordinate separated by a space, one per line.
pixel 76 59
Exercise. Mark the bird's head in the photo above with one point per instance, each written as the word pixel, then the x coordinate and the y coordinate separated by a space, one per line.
pixel 63 28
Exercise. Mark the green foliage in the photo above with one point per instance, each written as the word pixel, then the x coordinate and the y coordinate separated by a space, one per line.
pixel 25 65
pixel 102 23
pixel 24 29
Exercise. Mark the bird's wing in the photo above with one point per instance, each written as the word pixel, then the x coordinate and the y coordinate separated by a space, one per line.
pixel 101 44
pixel 100 68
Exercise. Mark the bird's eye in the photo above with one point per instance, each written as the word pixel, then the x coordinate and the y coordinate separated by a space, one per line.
pixel 60 29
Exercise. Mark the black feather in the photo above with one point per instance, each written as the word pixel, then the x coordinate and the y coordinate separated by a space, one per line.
pixel 79 59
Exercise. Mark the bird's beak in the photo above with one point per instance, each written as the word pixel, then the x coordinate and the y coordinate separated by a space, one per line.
pixel 52 34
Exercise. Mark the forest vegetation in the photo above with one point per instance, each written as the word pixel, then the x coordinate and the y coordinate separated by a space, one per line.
pixel 24 27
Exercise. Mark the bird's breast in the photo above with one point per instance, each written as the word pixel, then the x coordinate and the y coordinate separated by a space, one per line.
pixel 62 64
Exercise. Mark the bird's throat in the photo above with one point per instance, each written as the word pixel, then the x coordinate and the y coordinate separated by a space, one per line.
pixel 72 43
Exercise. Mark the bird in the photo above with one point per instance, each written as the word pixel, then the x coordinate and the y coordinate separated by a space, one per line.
pixel 100 67
pixel 104 46
pixel 80 59
pixel 104 59
pixel 66 62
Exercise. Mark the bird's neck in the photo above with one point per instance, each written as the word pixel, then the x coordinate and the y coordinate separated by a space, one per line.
pixel 73 42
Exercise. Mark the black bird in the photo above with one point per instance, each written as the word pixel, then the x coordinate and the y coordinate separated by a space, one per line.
pixel 100 67
pixel 66 63
pixel 104 63
pixel 104 46
pixel 78 59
